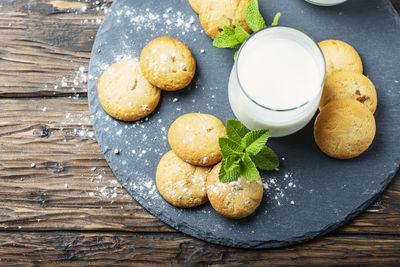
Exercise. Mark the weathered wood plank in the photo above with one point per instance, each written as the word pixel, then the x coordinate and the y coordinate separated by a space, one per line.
pixel 44 44
pixel 63 192
pixel 78 248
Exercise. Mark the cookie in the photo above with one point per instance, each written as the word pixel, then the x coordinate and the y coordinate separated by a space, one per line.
pixel 196 4
pixel 125 94
pixel 194 138
pixel 344 128
pixel 181 184
pixel 235 200
pixel 352 85
pixel 168 63
pixel 214 15
pixel 340 56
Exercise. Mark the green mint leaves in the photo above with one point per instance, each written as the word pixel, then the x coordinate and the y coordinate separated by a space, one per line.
pixel 227 39
pixel 243 152
pixel 235 37
pixel 276 19
pixel 253 17
pixel 240 33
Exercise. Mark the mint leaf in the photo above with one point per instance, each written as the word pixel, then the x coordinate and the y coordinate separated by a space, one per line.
pixel 253 17
pixel 254 141
pixel 230 170
pixel 236 130
pixel 248 169
pixel 222 172
pixel 231 161
pixel 227 39
pixel 229 30
pixel 229 147
pixel 243 152
pixel 276 19
pixel 266 159
pixel 240 33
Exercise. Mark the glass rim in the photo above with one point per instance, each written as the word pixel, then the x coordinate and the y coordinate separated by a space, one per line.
pixel 323 4
pixel 266 29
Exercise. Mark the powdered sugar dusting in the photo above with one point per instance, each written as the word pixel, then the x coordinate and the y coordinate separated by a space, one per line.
pixel 278 188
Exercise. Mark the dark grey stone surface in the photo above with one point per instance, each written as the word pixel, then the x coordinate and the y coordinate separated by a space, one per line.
pixel 311 194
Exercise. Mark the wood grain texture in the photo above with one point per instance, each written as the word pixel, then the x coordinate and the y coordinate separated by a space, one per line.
pixel 63 209
pixel 115 248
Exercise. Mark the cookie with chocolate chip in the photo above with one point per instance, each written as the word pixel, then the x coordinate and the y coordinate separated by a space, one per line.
pixel 168 64
pixel 181 184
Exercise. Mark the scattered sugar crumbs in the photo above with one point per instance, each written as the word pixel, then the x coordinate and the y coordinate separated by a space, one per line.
pixel 277 188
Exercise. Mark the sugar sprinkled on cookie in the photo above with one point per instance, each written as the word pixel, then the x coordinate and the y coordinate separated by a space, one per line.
pixel 236 199
pixel 168 63
pixel 181 184
pixel 194 138
pixel 125 94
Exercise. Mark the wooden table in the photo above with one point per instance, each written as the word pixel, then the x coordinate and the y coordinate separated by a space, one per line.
pixel 60 200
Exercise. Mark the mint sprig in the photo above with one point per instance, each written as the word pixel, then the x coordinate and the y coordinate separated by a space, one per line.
pixel 244 151
pixel 254 18
pixel 227 39
pixel 235 37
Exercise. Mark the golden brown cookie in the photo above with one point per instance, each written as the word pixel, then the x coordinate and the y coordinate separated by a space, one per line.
pixel 344 128
pixel 340 56
pixel 215 14
pixel 181 184
pixel 167 63
pixel 125 94
pixel 196 4
pixel 194 138
pixel 352 85
pixel 235 200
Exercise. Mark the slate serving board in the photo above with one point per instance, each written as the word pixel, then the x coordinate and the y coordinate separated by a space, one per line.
pixel 311 194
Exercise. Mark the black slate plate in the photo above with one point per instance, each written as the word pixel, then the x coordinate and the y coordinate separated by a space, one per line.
pixel 311 194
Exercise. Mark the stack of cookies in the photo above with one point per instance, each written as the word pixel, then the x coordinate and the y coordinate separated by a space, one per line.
pixel 185 176
pixel 130 90
pixel 215 14
pixel 345 127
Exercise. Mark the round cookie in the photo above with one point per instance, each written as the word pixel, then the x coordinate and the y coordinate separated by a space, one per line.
pixel 194 138
pixel 340 56
pixel 352 85
pixel 344 129
pixel 181 184
pixel 167 63
pixel 235 200
pixel 214 15
pixel 196 4
pixel 125 94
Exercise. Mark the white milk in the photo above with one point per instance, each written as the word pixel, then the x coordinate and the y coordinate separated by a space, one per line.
pixel 326 2
pixel 276 82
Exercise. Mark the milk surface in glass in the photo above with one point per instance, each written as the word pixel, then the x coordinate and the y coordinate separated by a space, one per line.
pixel 277 79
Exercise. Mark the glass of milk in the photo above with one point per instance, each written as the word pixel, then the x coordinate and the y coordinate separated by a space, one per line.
pixel 277 80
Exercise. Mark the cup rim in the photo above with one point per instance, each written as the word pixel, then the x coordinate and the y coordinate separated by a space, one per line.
pixel 266 29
